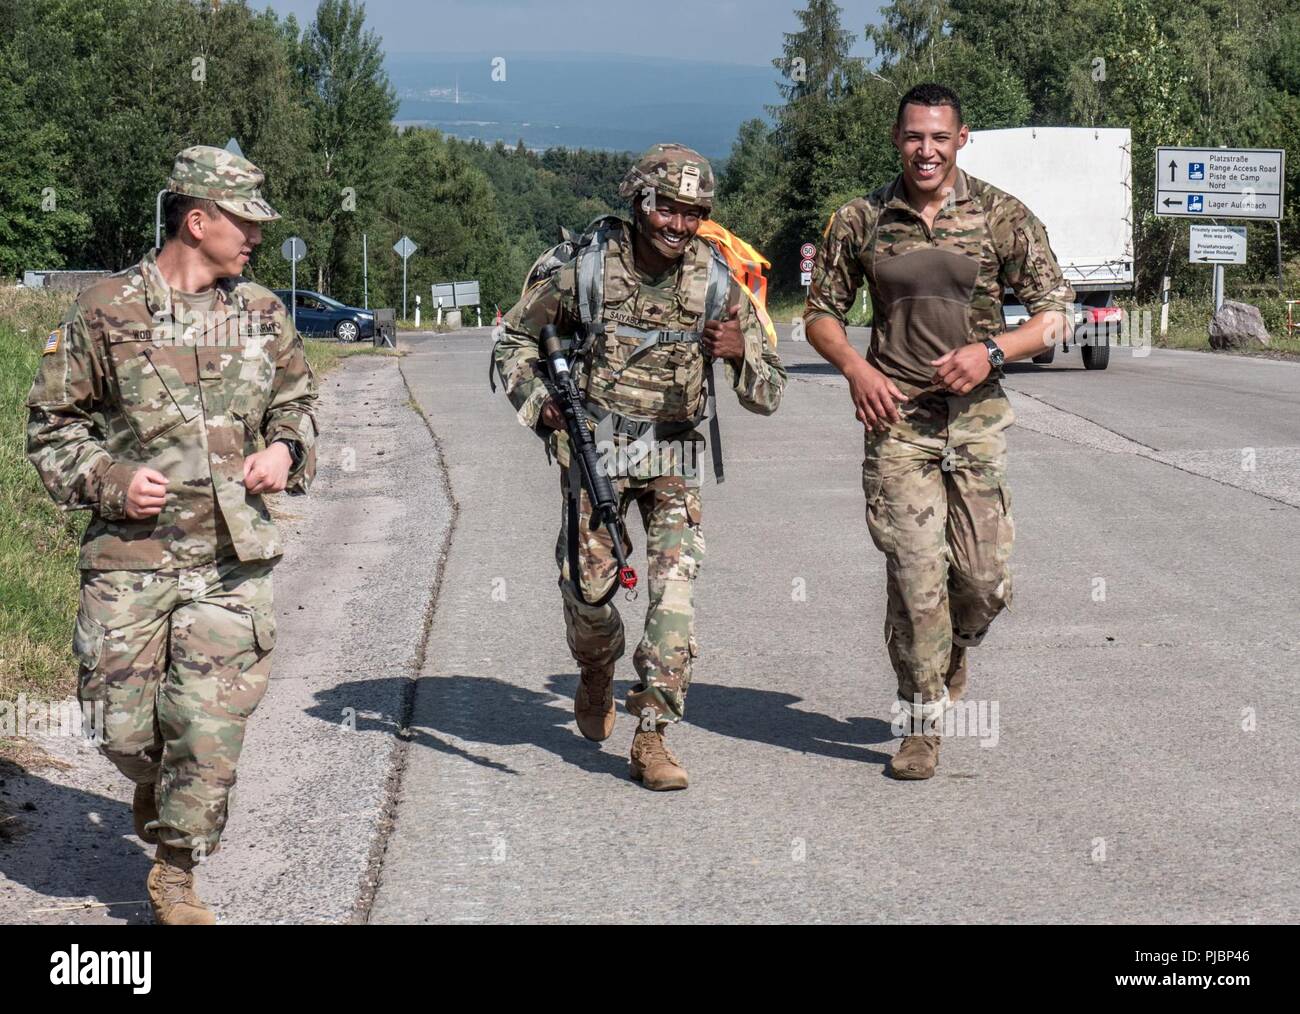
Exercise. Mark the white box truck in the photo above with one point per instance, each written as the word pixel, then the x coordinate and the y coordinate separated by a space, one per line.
pixel 1079 182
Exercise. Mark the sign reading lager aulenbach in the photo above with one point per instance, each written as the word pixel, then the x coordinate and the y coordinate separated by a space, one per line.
pixel 1220 182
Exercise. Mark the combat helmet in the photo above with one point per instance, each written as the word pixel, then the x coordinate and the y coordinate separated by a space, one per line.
pixel 672 171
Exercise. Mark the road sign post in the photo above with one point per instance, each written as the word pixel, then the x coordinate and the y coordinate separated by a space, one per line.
pixel 1220 182
pixel 404 248
pixel 1209 183
pixel 293 250
pixel 1217 244
pixel 806 253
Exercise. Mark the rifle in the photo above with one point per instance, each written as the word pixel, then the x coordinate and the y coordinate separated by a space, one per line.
pixel 584 472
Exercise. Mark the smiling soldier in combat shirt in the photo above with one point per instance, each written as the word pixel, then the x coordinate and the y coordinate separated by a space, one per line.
pixel 936 249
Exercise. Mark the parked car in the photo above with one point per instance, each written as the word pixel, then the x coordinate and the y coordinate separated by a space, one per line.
pixel 320 315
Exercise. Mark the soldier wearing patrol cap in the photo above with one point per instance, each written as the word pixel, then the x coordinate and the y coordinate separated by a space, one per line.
pixel 171 398
pixel 936 248
pixel 651 305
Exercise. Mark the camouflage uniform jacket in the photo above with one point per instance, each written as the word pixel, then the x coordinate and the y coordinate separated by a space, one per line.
pixel 665 380
pixel 933 290
pixel 122 385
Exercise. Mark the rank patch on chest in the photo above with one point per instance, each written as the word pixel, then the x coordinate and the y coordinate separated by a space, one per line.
pixel 52 342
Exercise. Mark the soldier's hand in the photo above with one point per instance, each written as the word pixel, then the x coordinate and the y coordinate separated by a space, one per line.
pixel 962 369
pixel 874 395
pixel 268 471
pixel 552 414
pixel 146 495
pixel 723 339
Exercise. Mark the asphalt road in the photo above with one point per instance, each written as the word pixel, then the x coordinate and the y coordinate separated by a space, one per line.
pixel 1135 759
pixel 1130 756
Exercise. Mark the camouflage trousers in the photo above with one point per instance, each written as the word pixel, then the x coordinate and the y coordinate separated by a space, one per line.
pixel 670 512
pixel 180 659
pixel 939 508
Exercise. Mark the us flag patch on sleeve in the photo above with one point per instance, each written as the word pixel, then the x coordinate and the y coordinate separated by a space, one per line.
pixel 52 342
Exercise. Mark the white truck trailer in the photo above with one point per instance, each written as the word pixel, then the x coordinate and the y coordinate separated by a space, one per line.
pixel 1079 182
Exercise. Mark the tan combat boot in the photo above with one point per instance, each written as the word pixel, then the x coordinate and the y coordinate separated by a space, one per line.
pixel 955 681
pixel 653 764
pixel 593 704
pixel 171 890
pixel 144 808
pixel 916 759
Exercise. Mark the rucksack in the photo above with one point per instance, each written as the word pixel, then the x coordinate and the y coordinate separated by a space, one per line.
pixel 589 250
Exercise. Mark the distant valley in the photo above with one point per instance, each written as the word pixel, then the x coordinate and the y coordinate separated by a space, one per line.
pixel 614 103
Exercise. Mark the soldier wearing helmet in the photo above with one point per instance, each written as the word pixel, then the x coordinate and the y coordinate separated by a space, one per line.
pixel 651 306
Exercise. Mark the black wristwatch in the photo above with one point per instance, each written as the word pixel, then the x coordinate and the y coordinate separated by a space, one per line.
pixel 996 356
pixel 295 451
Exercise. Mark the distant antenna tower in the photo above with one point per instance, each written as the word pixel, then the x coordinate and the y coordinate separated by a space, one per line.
pixel 457 89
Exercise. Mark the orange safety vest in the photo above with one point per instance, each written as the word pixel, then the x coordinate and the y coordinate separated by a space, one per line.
pixel 746 265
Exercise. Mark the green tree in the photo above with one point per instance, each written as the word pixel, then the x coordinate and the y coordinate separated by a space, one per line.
pixel 351 150
pixel 37 188
pixel 911 32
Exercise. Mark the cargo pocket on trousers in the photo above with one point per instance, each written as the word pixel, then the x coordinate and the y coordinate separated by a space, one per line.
pixel 873 487
pixel 264 630
pixel 88 647
pixel 1006 539
pixel 242 691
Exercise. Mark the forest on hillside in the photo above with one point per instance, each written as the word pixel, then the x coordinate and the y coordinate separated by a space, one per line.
pixel 97 96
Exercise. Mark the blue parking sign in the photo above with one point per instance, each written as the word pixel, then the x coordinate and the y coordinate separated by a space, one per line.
pixel 1195 202
pixel 1196 170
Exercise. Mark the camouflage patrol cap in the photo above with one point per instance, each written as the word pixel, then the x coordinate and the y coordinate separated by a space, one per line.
pixel 228 179
pixel 672 171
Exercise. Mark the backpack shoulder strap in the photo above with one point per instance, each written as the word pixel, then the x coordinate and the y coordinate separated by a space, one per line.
pixel 715 304
pixel 591 275
pixel 715 298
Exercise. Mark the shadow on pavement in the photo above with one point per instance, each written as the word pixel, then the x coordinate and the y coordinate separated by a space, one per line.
pixel 478 709
pixel 768 716
pixel 489 711
pixel 813 369
pixel 60 851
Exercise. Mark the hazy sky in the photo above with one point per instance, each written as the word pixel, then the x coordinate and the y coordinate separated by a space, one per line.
pixel 723 31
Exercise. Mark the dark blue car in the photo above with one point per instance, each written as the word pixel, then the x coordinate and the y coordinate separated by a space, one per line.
pixel 320 315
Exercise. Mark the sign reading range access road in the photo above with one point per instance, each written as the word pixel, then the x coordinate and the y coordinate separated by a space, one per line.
pixel 1220 182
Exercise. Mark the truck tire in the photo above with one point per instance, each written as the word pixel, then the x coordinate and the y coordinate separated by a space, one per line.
pixel 1046 356
pixel 1096 354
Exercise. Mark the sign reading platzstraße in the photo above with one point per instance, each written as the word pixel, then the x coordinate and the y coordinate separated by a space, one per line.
pixel 1220 182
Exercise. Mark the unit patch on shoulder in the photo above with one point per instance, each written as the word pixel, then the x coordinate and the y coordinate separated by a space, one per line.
pixel 52 342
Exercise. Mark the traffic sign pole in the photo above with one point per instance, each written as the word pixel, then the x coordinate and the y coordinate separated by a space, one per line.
pixel 404 248
pixel 293 250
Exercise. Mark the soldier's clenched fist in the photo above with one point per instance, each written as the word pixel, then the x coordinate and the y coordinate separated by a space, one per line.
pixel 723 339
pixel 146 495
pixel 268 471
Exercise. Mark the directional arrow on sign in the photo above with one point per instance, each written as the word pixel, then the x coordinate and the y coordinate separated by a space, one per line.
pixel 1173 166
pixel 1168 201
